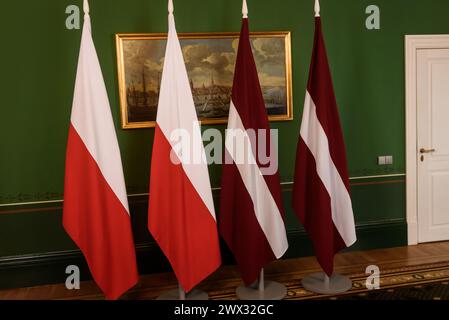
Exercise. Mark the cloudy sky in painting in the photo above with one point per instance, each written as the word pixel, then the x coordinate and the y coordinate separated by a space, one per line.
pixel 205 58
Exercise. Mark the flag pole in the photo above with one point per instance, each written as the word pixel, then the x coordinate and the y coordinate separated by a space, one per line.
pixel 86 7
pixel 261 289
pixel 179 293
pixel 245 9
pixel 326 281
pixel 317 8
pixel 182 293
pixel 261 282
pixel 320 282
pixel 170 7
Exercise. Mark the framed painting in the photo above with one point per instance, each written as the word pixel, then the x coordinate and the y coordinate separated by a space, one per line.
pixel 210 61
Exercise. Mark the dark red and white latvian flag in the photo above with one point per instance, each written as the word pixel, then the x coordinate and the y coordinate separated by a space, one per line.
pixel 251 211
pixel 181 214
pixel 321 196
pixel 96 214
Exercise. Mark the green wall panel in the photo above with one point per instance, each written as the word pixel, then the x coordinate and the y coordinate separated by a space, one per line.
pixel 382 201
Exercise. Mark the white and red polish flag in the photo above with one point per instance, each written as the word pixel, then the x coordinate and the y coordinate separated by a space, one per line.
pixel 321 196
pixel 251 211
pixel 181 214
pixel 96 214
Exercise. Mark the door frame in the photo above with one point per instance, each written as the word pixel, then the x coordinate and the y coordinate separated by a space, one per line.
pixel 413 43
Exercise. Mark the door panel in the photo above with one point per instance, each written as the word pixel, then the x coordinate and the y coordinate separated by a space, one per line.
pixel 439 106
pixel 433 144
pixel 440 205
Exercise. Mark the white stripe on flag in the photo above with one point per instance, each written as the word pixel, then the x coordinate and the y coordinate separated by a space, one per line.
pixel 92 118
pixel 177 111
pixel 265 208
pixel 316 140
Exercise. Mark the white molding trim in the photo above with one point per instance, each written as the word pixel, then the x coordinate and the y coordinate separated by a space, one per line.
pixel 413 43
pixel 16 204
pixel 378 176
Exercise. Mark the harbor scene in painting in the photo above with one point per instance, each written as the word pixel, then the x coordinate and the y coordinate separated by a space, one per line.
pixel 210 66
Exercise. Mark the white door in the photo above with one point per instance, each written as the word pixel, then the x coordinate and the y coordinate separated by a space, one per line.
pixel 433 144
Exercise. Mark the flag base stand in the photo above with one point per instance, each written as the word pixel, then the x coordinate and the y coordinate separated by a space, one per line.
pixel 320 283
pixel 180 294
pixel 262 290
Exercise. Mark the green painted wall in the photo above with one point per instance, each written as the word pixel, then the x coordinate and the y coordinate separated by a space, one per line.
pixel 39 58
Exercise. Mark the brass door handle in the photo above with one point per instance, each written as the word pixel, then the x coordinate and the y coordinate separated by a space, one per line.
pixel 422 150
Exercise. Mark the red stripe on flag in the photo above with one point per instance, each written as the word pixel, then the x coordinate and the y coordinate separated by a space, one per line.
pixel 240 229
pixel 248 99
pixel 238 222
pixel 311 202
pixel 179 220
pixel 103 231
pixel 321 90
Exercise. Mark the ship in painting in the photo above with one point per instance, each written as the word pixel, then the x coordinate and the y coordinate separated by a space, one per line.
pixel 142 102
pixel 211 100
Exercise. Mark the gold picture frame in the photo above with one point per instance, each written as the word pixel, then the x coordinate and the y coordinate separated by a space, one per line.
pixel 210 59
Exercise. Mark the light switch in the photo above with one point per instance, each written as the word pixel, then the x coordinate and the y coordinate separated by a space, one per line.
pixel 381 161
pixel 389 160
